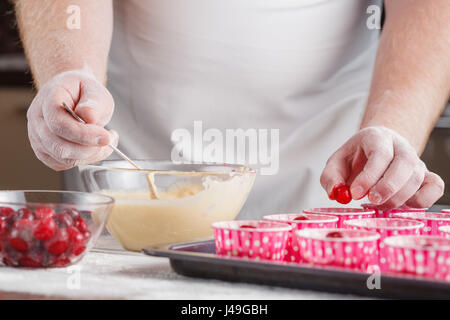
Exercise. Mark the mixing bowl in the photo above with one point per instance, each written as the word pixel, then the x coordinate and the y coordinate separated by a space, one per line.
pixel 50 228
pixel 190 197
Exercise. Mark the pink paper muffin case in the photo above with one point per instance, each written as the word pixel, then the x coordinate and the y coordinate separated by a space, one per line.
pixel 381 213
pixel 291 253
pixel 427 256
pixel 444 231
pixel 432 220
pixel 266 242
pixel 357 250
pixel 343 214
pixel 386 227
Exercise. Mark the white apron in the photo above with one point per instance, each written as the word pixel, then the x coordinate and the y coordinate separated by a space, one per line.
pixel 300 66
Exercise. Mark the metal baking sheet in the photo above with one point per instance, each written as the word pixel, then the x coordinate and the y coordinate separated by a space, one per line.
pixel 198 259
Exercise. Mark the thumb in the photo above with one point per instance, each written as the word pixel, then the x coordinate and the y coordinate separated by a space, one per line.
pixel 96 104
pixel 336 172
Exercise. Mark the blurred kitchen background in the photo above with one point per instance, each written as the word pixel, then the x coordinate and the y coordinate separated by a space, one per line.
pixel 19 168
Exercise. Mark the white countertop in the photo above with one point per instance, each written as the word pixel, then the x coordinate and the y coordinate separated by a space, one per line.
pixel 108 272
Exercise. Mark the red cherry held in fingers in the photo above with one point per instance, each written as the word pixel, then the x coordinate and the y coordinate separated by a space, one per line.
pixel 300 218
pixel 341 193
pixel 334 234
pixel 246 226
pixel 42 213
pixel 59 243
pixel 45 229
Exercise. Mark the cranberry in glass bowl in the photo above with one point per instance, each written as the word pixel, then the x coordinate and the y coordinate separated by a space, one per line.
pixel 49 228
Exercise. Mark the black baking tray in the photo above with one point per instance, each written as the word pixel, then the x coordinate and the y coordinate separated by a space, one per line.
pixel 198 260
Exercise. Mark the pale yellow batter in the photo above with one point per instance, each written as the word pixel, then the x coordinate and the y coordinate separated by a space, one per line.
pixel 181 213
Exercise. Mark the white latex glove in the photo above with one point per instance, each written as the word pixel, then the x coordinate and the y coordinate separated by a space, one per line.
pixel 379 162
pixel 59 140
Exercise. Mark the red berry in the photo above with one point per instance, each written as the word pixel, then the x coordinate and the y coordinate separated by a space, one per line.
pixel 5 212
pixel 87 235
pixel 23 224
pixel 21 235
pixel 60 262
pixel 301 218
pixel 74 214
pixel 19 244
pixel 245 226
pixel 3 227
pixel 341 193
pixel 81 225
pixel 9 262
pixel 45 229
pixel 31 261
pixel 25 213
pixel 77 241
pixel 58 244
pixel 63 220
pixel 41 213
pixel 334 234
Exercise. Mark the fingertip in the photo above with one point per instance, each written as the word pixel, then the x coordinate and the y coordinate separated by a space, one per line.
pixel 357 192
pixel 114 136
pixel 103 139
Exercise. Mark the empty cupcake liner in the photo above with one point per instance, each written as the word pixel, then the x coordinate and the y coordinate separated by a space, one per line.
pixel 343 214
pixel 432 220
pixel 357 250
pixel 315 221
pixel 386 227
pixel 427 256
pixel 381 213
pixel 267 241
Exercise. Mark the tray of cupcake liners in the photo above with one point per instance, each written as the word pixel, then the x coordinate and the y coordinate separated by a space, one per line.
pixel 401 253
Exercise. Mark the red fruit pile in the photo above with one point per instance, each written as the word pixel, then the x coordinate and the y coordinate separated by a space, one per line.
pixel 41 238
pixel 341 193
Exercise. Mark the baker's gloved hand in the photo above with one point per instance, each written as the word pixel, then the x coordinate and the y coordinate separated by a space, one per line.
pixel 59 140
pixel 379 162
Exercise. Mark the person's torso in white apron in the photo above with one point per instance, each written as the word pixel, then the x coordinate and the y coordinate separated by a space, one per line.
pixel 302 67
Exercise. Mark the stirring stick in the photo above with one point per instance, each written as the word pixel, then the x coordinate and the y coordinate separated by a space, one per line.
pixel 149 176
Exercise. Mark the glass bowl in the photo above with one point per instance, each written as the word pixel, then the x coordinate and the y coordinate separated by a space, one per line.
pixel 50 228
pixel 190 197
